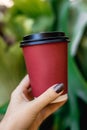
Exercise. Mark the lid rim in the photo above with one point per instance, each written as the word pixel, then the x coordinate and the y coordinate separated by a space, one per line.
pixel 49 38
pixel 42 42
pixel 43 34
pixel 44 37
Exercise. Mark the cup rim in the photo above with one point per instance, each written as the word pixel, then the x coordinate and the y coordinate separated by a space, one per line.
pixel 44 37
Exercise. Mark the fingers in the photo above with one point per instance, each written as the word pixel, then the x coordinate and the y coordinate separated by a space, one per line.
pixel 50 109
pixel 28 94
pixel 25 88
pixel 24 84
pixel 48 96
pixel 22 88
pixel 23 91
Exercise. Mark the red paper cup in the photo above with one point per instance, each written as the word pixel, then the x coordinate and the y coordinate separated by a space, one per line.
pixel 45 56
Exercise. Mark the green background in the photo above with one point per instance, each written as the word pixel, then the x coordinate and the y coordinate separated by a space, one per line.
pixel 32 16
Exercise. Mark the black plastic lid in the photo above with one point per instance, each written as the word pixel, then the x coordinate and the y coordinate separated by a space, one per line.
pixel 44 37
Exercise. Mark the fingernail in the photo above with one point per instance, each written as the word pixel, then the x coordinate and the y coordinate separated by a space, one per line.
pixel 59 88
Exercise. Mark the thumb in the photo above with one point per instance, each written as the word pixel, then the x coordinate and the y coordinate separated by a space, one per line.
pixel 48 96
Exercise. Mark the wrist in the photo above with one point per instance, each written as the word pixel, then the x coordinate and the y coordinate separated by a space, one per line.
pixel 6 125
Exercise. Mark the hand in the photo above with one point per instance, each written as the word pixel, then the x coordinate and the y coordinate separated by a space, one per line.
pixel 26 113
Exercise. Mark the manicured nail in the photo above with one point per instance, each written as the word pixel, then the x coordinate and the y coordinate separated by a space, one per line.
pixel 59 88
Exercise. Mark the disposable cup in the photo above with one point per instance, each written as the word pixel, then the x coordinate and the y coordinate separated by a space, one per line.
pixel 46 58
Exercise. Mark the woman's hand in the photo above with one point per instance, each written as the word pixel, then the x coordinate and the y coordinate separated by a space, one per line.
pixel 26 113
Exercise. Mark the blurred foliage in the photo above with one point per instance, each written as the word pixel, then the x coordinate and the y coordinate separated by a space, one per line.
pixel 11 66
pixel 31 16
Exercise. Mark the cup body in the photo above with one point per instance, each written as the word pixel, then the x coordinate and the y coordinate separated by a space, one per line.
pixel 46 65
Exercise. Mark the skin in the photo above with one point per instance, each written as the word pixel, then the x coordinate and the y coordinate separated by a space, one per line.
pixel 26 113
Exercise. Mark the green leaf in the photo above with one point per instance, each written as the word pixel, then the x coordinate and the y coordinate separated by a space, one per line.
pixel 3 108
pixel 76 81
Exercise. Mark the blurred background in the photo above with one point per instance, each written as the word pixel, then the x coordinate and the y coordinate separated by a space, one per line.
pixel 22 17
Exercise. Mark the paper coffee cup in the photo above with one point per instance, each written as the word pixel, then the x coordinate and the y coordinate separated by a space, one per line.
pixel 45 57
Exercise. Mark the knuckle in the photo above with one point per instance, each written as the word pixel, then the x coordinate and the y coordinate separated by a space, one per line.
pixel 50 95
